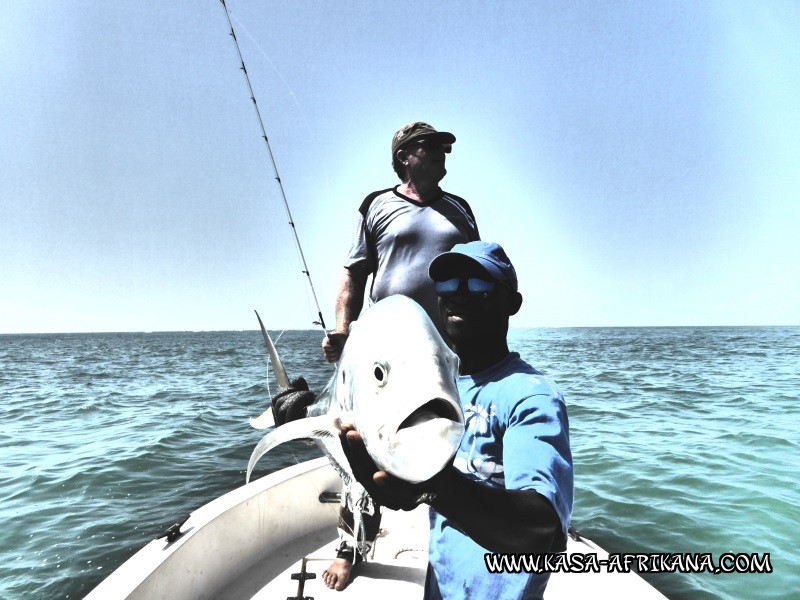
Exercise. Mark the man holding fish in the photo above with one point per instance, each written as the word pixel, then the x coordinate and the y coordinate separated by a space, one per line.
pixel 401 229
pixel 510 488
pixel 488 450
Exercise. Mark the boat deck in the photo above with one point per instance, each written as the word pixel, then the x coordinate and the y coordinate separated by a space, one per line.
pixel 400 555
pixel 398 563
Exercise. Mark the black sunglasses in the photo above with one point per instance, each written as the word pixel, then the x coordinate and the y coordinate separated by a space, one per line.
pixel 429 145
pixel 475 286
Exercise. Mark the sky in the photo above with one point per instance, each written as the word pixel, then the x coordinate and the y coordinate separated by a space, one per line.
pixel 639 161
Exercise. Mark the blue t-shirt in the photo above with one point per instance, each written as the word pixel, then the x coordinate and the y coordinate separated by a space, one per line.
pixel 517 437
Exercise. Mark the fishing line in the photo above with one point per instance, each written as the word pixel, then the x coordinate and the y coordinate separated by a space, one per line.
pixel 299 248
pixel 321 321
pixel 300 110
pixel 306 120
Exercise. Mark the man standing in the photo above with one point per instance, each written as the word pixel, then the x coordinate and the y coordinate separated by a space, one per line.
pixel 401 229
pixel 511 485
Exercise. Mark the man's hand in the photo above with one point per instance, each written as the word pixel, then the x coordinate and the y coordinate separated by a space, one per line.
pixel 291 403
pixel 332 346
pixel 385 489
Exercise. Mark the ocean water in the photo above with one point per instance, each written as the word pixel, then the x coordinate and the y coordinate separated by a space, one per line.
pixel 684 440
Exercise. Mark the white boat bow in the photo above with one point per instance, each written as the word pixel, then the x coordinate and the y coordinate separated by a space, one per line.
pixel 274 537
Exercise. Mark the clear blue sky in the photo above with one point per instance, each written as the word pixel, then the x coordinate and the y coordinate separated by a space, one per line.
pixel 640 161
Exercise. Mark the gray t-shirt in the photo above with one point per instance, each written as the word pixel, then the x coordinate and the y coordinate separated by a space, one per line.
pixel 397 238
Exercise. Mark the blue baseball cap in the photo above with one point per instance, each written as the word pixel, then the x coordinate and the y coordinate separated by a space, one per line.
pixel 488 255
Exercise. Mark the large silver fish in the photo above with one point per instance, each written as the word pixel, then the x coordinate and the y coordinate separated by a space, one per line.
pixel 396 383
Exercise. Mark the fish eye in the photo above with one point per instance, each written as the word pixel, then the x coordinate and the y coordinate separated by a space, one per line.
pixel 381 373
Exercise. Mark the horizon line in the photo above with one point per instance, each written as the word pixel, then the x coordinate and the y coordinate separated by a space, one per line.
pixel 511 328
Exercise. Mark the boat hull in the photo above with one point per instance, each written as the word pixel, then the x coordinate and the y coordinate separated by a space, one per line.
pixel 224 538
pixel 273 537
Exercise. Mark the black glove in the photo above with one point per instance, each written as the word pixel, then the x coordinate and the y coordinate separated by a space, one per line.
pixel 385 489
pixel 291 403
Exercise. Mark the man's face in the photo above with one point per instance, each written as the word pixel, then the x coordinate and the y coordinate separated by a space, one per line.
pixel 426 159
pixel 474 316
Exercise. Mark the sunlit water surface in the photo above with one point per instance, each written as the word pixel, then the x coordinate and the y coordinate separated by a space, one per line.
pixel 684 439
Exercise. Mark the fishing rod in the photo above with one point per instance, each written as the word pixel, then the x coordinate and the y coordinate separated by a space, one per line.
pixel 321 321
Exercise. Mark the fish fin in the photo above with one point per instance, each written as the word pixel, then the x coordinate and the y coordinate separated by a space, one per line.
pixel 264 420
pixel 277 365
pixel 320 428
pixel 337 459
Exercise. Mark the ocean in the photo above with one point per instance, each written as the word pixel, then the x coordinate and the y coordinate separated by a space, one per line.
pixel 684 440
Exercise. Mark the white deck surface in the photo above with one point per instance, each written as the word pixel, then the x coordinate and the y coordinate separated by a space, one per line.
pixel 397 568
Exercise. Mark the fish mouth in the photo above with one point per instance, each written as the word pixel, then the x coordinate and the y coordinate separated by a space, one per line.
pixel 438 408
pixel 426 441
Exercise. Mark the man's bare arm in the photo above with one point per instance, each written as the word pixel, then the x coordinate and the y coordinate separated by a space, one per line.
pixel 349 302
